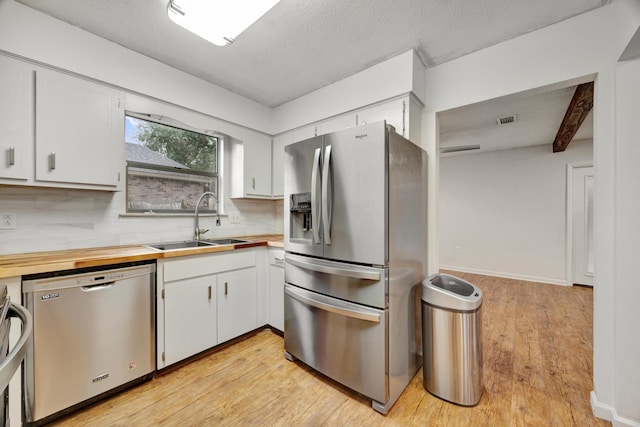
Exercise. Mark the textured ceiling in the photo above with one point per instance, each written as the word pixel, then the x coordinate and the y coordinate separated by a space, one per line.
pixel 302 45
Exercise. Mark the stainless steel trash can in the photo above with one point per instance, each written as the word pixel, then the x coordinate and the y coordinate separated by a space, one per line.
pixel 452 339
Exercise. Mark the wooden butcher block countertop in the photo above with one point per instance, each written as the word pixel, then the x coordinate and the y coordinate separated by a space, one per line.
pixel 43 262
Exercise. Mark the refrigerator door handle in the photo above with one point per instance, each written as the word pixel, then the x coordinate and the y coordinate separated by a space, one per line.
pixel 343 311
pixel 315 214
pixel 326 209
pixel 321 267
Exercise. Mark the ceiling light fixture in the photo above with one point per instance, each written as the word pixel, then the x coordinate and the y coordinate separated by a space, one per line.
pixel 218 22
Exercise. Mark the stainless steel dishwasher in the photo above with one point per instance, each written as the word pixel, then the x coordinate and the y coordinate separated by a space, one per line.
pixel 93 334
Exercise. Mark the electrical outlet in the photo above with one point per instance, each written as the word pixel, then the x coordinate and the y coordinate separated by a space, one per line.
pixel 234 218
pixel 7 220
pixel 458 250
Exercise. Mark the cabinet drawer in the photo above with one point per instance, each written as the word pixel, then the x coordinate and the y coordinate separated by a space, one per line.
pixel 201 265
pixel 359 284
pixel 352 354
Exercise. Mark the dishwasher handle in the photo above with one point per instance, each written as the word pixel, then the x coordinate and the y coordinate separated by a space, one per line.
pixel 98 287
pixel 13 360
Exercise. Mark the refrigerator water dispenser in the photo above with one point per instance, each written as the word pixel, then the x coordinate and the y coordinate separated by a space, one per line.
pixel 300 216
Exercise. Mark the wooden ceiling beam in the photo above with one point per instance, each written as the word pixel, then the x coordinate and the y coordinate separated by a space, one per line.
pixel 579 107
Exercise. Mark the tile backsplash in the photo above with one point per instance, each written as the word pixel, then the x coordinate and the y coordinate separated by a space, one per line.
pixel 53 219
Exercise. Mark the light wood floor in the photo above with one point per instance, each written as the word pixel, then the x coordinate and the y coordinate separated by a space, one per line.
pixel 537 348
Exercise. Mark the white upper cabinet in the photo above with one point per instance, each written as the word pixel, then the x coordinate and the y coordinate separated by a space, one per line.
pixel 307 132
pixel 257 158
pixel 402 113
pixel 251 166
pixel 59 131
pixel 334 124
pixel 16 121
pixel 79 131
pixel 394 112
pixel 277 163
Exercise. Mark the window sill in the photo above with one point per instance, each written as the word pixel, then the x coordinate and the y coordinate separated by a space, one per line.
pixel 166 215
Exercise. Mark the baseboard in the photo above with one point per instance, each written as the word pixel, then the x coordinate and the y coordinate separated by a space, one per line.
pixel 609 413
pixel 505 275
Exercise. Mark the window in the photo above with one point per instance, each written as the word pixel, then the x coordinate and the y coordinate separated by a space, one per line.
pixel 168 168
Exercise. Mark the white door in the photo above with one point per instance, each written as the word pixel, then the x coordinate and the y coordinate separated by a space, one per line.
pixel 583 226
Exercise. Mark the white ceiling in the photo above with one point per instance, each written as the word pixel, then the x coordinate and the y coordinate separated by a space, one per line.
pixel 302 45
pixel 539 114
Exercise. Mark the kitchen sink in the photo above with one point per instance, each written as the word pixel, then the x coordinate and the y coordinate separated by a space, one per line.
pixel 224 241
pixel 195 244
pixel 181 245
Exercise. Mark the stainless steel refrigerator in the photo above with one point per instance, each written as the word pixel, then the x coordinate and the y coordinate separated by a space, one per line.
pixel 355 242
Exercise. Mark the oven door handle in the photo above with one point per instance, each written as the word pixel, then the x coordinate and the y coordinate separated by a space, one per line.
pixel 14 359
pixel 321 267
pixel 343 311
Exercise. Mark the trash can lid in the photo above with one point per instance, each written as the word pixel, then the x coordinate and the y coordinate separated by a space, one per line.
pixel 447 291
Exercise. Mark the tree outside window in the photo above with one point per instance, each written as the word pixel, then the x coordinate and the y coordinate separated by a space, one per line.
pixel 168 168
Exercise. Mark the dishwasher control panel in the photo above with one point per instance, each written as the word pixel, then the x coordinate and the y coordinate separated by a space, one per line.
pixel 72 280
pixel 109 277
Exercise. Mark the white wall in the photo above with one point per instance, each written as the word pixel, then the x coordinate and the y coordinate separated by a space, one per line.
pixel 503 213
pixel 53 219
pixel 627 234
pixel 589 44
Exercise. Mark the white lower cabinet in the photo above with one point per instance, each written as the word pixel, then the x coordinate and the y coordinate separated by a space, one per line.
pixel 237 303
pixel 276 288
pixel 190 317
pixel 203 300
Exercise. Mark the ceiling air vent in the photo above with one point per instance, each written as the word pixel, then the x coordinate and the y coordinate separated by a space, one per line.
pixel 507 120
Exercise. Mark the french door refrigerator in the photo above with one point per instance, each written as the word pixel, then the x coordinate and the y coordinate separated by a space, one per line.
pixel 355 255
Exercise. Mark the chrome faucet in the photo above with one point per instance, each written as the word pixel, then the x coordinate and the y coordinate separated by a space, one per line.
pixel 198 230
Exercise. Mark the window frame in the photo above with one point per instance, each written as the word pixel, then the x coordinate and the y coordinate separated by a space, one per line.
pixel 150 169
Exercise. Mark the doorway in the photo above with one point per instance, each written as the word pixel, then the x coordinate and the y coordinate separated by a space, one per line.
pixel 580 254
pixel 503 191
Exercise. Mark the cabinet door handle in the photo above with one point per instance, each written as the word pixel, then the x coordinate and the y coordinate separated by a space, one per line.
pixel 209 291
pixel 253 183
pixel 52 161
pixel 11 156
pixel 226 288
